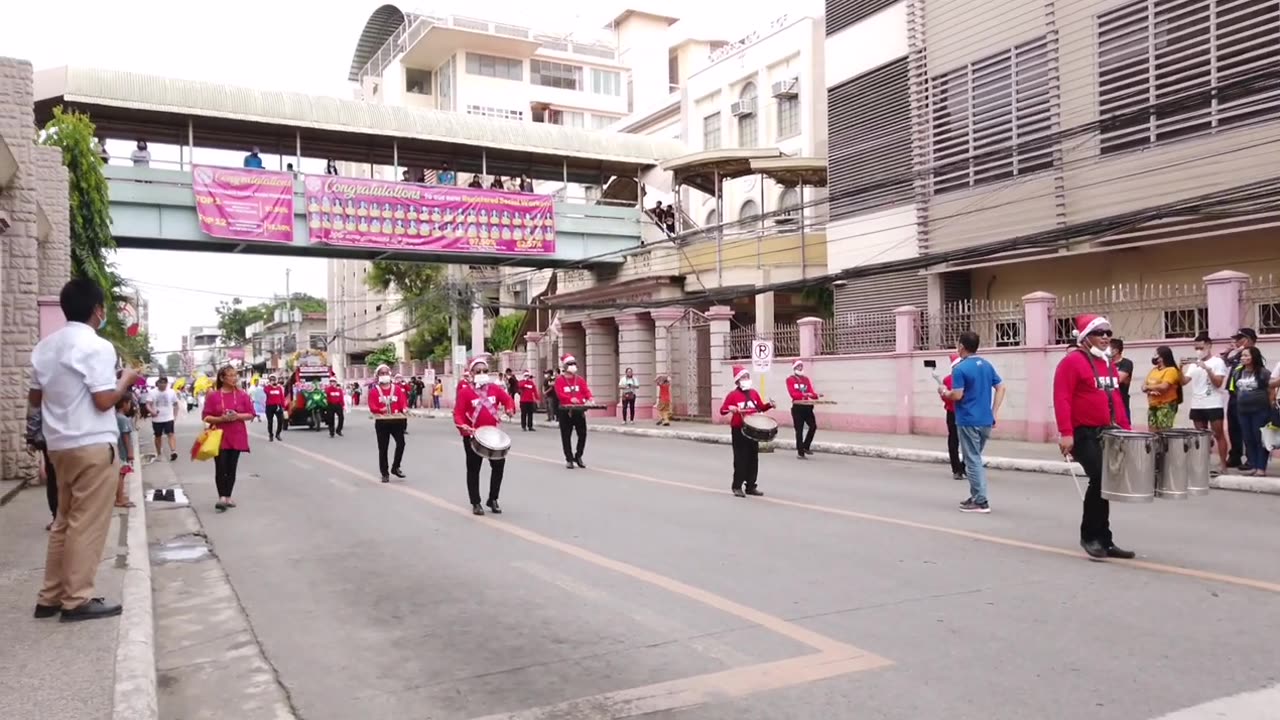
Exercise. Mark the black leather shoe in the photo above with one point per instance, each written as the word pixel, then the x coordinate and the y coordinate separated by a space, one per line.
pixel 569 464
pixel 46 611
pixel 755 492
pixel 398 472
pixel 92 610
pixel 579 462
pixel 737 492
pixel 493 505
pixel 477 510
pixel 386 478
pixel 1120 554
pixel 1095 549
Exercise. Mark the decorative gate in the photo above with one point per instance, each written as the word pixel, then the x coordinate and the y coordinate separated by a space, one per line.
pixel 689 358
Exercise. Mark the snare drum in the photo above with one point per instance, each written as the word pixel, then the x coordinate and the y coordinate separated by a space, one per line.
pixel 760 428
pixel 491 442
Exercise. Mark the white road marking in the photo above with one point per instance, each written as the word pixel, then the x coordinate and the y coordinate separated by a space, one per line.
pixel 1256 705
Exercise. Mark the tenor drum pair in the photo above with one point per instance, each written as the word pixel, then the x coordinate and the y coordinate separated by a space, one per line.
pixel 1138 466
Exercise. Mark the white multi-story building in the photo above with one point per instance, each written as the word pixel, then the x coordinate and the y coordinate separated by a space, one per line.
pixel 201 349
pixel 360 319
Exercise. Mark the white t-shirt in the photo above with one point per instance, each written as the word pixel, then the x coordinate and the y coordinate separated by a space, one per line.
pixel 163 401
pixel 67 368
pixel 1204 396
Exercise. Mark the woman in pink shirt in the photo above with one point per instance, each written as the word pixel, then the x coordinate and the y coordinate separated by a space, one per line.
pixel 227 408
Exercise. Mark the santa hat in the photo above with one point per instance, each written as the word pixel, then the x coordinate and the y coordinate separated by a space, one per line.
pixel 527 373
pixel 481 358
pixel 739 372
pixel 567 358
pixel 954 359
pixel 1086 324
pixel 381 369
pixel 797 364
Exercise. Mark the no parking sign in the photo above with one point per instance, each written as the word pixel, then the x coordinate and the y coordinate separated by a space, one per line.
pixel 761 355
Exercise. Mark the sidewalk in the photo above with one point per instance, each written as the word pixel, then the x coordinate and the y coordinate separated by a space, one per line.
pixel 50 669
pixel 1001 454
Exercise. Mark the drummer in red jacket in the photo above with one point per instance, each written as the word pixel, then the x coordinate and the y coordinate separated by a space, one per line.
pixel 275 408
pixel 1087 401
pixel 740 402
pixel 388 404
pixel 801 388
pixel 336 412
pixel 571 389
pixel 528 390
pixel 477 406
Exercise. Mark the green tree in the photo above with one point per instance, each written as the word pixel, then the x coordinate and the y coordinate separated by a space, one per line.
pixel 505 331
pixel 89 211
pixel 385 355
pixel 173 364
pixel 234 316
pixel 428 300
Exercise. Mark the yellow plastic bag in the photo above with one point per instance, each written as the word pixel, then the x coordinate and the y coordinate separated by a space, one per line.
pixel 207 445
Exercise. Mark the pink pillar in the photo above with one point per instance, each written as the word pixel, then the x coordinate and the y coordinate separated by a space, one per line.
pixel 533 353
pixel 721 317
pixel 1224 293
pixel 907 328
pixel 507 359
pixel 636 350
pixel 663 319
pixel 602 364
pixel 810 332
pixel 51 318
pixel 1037 309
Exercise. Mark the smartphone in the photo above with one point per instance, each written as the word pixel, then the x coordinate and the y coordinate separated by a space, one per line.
pixel 931 364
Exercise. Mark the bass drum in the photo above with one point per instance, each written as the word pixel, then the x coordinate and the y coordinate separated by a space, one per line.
pixel 760 428
pixel 491 442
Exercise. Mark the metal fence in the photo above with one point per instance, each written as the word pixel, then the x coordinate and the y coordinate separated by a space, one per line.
pixel 1262 304
pixel 785 338
pixel 1137 311
pixel 853 333
pixel 998 323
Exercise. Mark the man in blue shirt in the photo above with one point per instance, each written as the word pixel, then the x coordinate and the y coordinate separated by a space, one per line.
pixel 972 380
pixel 253 161
pixel 445 176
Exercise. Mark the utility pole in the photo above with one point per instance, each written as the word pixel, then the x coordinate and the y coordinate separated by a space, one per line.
pixel 288 308
pixel 452 294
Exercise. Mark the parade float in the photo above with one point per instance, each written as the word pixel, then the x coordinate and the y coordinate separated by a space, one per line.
pixel 307 405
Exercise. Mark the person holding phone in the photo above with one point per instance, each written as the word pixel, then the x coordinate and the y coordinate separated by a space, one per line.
pixel 227 408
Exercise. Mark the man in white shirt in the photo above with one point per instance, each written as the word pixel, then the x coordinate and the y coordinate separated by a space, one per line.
pixel 163 404
pixel 1207 377
pixel 74 382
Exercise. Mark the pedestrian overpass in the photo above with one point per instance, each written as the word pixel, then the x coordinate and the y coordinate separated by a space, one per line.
pixel 155 207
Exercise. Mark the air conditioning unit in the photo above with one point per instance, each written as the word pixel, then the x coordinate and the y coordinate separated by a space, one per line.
pixel 743 107
pixel 788 88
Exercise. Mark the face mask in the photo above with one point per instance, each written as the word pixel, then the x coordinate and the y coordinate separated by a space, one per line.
pixel 744 384
pixel 1100 352
pixel 798 371
pixel 102 324
pixel 384 379
pixel 481 378
pixel 571 369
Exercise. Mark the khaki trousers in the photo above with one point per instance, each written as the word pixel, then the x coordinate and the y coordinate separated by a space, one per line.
pixel 86 493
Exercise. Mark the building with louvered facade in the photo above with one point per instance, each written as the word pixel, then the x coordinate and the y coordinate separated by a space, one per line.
pixel 990 150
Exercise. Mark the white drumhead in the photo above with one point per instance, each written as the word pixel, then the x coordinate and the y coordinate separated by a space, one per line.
pixel 762 422
pixel 493 438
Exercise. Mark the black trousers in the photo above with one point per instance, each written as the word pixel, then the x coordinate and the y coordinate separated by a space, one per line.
pixel 386 430
pixel 1235 454
pixel 527 410
pixel 474 461
pixel 336 415
pixel 50 484
pixel 953 444
pixel 553 405
pixel 275 420
pixel 571 420
pixel 224 471
pixel 746 459
pixel 802 416
pixel 629 405
pixel 1095 520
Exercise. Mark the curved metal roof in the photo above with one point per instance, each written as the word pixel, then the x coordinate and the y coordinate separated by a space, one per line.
pixel 150 93
pixel 379 28
pixel 700 169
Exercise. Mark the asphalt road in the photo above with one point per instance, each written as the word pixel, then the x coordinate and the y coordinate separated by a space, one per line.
pixel 641 587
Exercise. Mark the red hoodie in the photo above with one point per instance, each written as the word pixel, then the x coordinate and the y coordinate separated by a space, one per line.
pixel 335 395
pixel 388 400
pixel 1080 399
pixel 479 408
pixel 801 388
pixel 528 391
pixel 751 400
pixel 275 395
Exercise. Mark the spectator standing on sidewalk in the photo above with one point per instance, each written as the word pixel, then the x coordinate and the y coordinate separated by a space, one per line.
pixel 125 410
pixel 1257 401
pixel 953 434
pixel 163 402
pixel 1124 371
pixel 227 407
pixel 973 380
pixel 437 390
pixel 1163 389
pixel 1244 338
pixel 1207 377
pixel 549 392
pixel 75 386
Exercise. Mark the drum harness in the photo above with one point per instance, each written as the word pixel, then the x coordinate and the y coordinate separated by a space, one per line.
pixel 1111 407
pixel 485 403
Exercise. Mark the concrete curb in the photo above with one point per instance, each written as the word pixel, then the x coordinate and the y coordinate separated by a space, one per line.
pixel 135 693
pixel 11 493
pixel 1046 467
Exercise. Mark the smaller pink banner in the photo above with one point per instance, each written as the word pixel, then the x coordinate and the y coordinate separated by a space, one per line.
pixel 236 204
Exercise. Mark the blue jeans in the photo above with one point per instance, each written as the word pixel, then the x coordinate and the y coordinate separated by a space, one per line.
pixel 973 439
pixel 1251 424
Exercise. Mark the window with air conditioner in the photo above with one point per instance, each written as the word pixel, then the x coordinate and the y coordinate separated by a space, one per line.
pixel 555 75
pixel 993 119
pixel 1169 70
pixel 745 111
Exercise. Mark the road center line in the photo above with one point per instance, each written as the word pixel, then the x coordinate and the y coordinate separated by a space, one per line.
pixel 1204 575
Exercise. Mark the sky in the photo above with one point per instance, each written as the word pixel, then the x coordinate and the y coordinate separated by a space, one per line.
pixel 277 44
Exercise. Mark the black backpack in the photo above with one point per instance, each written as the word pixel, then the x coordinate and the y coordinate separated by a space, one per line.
pixel 34 434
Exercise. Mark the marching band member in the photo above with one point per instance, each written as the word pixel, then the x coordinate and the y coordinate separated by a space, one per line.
pixel 476 406
pixel 336 412
pixel 1086 401
pixel 801 388
pixel 571 389
pixel 528 390
pixel 388 403
pixel 740 402
pixel 275 408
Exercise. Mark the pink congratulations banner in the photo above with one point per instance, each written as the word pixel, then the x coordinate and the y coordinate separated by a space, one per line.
pixel 353 212
pixel 244 204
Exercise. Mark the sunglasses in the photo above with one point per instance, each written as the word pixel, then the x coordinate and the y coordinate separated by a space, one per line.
pixel 1100 333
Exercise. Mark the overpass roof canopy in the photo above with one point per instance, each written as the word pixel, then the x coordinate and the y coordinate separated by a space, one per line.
pixel 699 170
pixel 126 105
pixel 793 171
